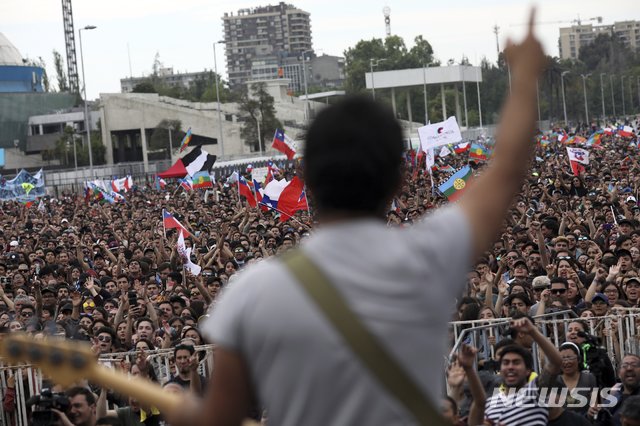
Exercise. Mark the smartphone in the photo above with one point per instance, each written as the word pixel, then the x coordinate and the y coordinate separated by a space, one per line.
pixel 133 298
pixel 530 212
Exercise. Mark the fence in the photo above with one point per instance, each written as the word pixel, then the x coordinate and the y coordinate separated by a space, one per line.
pixel 31 384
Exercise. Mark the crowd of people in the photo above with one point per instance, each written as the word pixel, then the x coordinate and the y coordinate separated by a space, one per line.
pixel 111 275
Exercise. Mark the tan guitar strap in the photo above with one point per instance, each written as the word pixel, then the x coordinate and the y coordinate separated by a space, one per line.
pixel 364 344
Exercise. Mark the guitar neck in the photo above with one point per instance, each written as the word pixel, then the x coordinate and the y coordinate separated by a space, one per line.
pixel 146 392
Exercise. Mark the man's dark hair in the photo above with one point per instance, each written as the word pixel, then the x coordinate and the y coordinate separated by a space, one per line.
pixel 631 408
pixel 519 350
pixel 189 348
pixel 91 400
pixel 354 128
pixel 107 330
pixel 560 280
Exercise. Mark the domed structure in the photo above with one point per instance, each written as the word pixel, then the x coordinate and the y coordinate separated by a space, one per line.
pixel 9 55
pixel 15 75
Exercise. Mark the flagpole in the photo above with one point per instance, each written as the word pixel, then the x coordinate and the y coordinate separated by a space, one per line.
pixel 164 230
pixel 281 212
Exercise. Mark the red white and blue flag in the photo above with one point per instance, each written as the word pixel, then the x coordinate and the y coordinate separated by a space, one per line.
pixel 292 199
pixel 284 144
pixel 169 222
pixel 245 190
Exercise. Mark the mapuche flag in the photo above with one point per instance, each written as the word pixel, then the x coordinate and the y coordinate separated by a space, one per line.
pixel 456 184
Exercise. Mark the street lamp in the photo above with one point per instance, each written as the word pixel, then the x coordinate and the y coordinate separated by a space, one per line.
pixel 215 73
pixel 564 103
pixel 86 108
pixel 613 100
pixel 584 92
pixel 604 115
pixel 624 111
pixel 306 94
pixel 371 65
pixel 424 82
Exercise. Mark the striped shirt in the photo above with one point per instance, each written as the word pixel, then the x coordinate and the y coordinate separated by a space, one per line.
pixel 516 407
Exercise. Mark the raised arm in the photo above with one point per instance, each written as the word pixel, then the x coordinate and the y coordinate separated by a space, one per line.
pixel 489 197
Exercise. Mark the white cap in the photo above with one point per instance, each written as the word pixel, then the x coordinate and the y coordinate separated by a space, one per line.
pixel 14 243
pixel 64 220
pixel 631 198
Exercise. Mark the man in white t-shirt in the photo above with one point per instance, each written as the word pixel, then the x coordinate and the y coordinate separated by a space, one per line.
pixel 273 344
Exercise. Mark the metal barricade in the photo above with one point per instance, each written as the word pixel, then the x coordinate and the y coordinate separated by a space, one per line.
pixel 160 360
pixel 28 383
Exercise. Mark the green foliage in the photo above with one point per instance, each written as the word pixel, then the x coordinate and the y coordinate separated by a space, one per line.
pixel 62 151
pixel 257 105
pixel 61 75
pixel 606 55
pixel 160 136
pixel 144 87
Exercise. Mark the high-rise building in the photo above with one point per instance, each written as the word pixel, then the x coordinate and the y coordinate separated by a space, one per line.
pixel 263 42
pixel 574 37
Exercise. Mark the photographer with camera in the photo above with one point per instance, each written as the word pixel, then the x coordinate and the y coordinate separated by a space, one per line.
pixel 82 411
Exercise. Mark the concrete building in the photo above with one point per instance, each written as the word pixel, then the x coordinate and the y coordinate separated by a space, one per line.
pixel 45 130
pixel 573 38
pixel 326 71
pixel 259 38
pixel 15 75
pixel 166 76
pixel 129 119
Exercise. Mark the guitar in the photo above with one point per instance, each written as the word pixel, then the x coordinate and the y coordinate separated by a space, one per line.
pixel 66 363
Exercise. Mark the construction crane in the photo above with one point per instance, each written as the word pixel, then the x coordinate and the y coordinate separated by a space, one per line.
pixel 577 21
pixel 70 44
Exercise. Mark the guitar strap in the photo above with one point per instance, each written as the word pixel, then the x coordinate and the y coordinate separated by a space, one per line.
pixel 364 345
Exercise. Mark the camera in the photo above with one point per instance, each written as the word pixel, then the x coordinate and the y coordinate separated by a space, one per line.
pixel 133 298
pixel 42 405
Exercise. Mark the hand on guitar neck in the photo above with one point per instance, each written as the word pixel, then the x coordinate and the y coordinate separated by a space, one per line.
pixel 67 363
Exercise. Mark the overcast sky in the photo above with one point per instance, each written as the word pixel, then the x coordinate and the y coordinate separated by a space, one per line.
pixel 182 31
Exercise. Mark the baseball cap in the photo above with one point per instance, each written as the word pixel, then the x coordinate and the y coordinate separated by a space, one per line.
pixel 631 198
pixel 600 296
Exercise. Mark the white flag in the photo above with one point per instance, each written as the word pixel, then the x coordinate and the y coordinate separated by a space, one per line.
pixel 438 134
pixel 444 152
pixel 430 157
pixel 185 255
pixel 578 155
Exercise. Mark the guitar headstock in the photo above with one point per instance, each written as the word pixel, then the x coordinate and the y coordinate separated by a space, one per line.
pixel 64 361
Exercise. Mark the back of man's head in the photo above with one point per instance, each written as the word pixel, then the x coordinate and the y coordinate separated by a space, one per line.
pixel 356 143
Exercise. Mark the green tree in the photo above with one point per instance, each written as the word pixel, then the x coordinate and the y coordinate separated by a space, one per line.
pixel 159 139
pixel 61 75
pixel 257 105
pixel 144 87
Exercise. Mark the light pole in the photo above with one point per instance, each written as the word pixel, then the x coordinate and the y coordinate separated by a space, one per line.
pixel 584 92
pixel 371 65
pixel 258 118
pixel 215 74
pixel 564 103
pixel 424 83
pixel 170 143
pixel 304 75
pixel 478 75
pixel 604 115
pixel 613 100
pixel 638 84
pixel 624 111
pixel 86 108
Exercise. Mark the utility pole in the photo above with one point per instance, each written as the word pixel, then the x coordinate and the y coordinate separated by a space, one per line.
pixel 496 31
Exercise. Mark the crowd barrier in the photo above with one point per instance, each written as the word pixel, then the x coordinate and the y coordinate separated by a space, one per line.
pixel 618 333
pixel 32 383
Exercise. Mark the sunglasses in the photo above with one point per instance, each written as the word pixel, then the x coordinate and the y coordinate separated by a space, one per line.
pixel 582 238
pixel 26 313
pixel 563 257
pixel 558 290
pixel 106 339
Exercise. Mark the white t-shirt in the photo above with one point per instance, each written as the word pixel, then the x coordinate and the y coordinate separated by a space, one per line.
pixel 402 282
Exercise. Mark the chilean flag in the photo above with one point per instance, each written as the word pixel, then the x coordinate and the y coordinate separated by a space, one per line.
pixel 625 131
pixel 168 221
pixel 292 199
pixel 284 144
pixel 245 190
